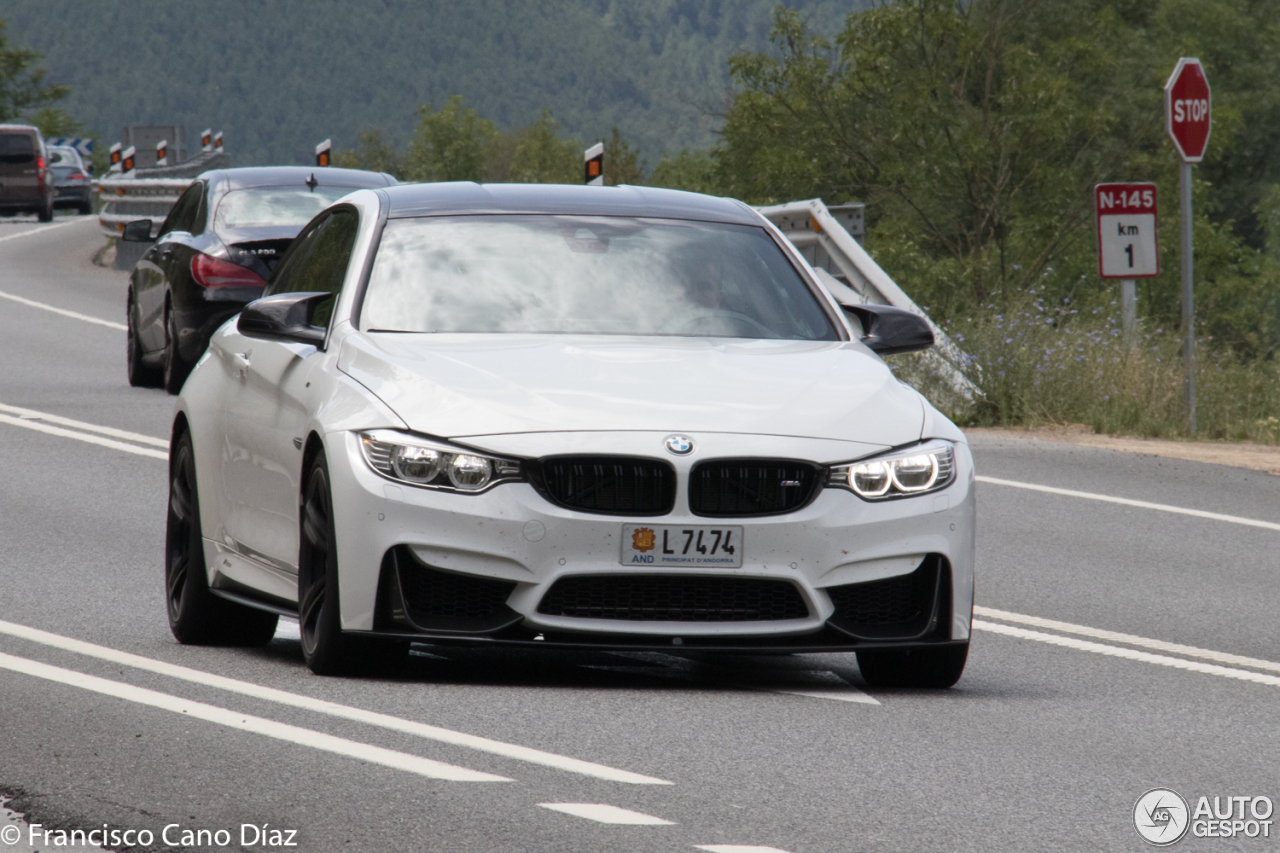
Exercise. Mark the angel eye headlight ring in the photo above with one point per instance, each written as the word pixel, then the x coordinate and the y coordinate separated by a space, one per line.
pixel 899 474
pixel 428 464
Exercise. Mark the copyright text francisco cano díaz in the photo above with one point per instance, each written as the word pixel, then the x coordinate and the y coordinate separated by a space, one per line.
pixel 249 836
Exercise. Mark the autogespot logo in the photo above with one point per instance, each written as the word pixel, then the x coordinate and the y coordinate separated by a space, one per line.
pixel 1161 816
pixel 680 445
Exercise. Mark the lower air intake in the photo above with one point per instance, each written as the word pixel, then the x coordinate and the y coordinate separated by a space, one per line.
pixel 673 598
pixel 892 608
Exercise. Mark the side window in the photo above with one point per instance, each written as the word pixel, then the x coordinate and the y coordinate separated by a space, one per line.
pixel 183 214
pixel 318 259
pixel 201 220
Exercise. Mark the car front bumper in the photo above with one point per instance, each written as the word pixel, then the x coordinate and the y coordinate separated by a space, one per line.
pixel 512 535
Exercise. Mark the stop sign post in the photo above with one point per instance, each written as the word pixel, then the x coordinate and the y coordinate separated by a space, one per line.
pixel 1187 116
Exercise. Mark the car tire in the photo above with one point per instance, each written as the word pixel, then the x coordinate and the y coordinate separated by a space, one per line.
pixel 140 375
pixel 175 369
pixel 196 615
pixel 85 209
pixel 934 668
pixel 45 214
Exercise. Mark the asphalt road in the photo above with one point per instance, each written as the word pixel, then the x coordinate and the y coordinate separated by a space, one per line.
pixel 1051 736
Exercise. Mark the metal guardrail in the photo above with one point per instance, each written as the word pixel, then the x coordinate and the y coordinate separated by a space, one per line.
pixel 851 274
pixel 150 193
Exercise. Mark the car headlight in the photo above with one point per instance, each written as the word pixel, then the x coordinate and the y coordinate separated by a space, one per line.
pixel 903 473
pixel 407 458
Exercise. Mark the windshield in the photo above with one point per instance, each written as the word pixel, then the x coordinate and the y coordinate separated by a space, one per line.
pixel 587 275
pixel 275 206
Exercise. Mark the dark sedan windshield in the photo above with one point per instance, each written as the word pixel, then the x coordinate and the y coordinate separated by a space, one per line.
pixel 275 205
pixel 587 275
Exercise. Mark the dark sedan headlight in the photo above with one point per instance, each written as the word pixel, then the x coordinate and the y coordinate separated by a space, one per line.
pixel 416 461
pixel 902 473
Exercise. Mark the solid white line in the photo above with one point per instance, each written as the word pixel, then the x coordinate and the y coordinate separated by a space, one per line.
pixel 1131 639
pixel 32 414
pixel 830 686
pixel 64 312
pixel 601 813
pixel 247 723
pixel 333 709
pixel 736 848
pixel 1071 493
pixel 1130 654
pixel 31 231
pixel 82 436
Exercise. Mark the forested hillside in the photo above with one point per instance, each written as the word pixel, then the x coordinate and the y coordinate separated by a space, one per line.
pixel 279 77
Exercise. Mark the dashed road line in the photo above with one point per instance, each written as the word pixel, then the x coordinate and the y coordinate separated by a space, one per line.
pixel 1129 654
pixel 601 813
pixel 33 415
pixel 1130 639
pixel 333 709
pixel 1072 493
pixel 736 848
pixel 75 315
pixel 44 228
pixel 248 723
pixel 89 438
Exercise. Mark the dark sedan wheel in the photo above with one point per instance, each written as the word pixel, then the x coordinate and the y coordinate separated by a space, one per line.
pixel 140 375
pixel 197 616
pixel 325 648
pixel 936 668
pixel 175 369
pixel 45 213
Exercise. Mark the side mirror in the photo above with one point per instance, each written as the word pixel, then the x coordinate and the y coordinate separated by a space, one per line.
pixel 888 330
pixel 284 317
pixel 137 231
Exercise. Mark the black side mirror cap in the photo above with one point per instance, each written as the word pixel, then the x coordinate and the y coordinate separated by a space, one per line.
pixel 888 330
pixel 137 231
pixel 284 317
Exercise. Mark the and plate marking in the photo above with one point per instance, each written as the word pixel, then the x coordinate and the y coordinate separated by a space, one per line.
pixel 717 546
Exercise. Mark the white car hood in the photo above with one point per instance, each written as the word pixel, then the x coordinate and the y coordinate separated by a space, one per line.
pixel 452 385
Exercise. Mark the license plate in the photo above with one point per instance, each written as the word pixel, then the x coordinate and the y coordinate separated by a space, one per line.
pixel 680 545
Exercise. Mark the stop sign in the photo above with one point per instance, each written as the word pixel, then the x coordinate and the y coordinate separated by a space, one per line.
pixel 1186 109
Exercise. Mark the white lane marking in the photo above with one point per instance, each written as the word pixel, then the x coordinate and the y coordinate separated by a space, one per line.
pixel 1131 639
pixel 287 629
pixel 32 414
pixel 1071 493
pixel 831 686
pixel 38 426
pixel 333 709
pixel 601 813
pixel 1130 654
pixel 31 231
pixel 247 723
pixel 736 848
pixel 75 315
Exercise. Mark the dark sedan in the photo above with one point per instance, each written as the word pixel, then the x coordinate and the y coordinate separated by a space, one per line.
pixel 71 177
pixel 213 255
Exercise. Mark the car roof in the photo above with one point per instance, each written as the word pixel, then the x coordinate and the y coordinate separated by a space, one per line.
pixel 465 197
pixel 26 128
pixel 275 176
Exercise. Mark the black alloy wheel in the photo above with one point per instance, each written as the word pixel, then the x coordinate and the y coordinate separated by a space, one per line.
pixel 325 648
pixel 197 616
pixel 931 668
pixel 140 376
pixel 175 369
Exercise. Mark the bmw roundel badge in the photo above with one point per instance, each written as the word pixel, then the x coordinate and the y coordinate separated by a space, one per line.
pixel 680 445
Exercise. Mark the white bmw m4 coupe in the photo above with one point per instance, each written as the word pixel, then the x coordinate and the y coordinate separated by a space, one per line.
pixel 573 417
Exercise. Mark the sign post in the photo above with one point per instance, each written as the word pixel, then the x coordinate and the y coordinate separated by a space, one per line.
pixel 322 152
pixel 593 160
pixel 1128 248
pixel 1187 109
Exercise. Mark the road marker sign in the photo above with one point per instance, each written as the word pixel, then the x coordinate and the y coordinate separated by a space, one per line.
pixel 593 170
pixel 114 154
pixel 322 152
pixel 82 144
pixel 128 159
pixel 162 152
pixel 206 140
pixel 1126 218
pixel 217 141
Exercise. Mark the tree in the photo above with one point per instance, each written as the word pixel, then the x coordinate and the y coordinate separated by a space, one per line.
pixel 22 85
pixel 540 156
pixel 692 171
pixel 450 145
pixel 373 154
pixel 622 163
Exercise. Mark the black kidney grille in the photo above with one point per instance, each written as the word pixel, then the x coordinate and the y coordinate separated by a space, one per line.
pixel 673 598
pixel 892 606
pixel 615 485
pixel 432 593
pixel 724 488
